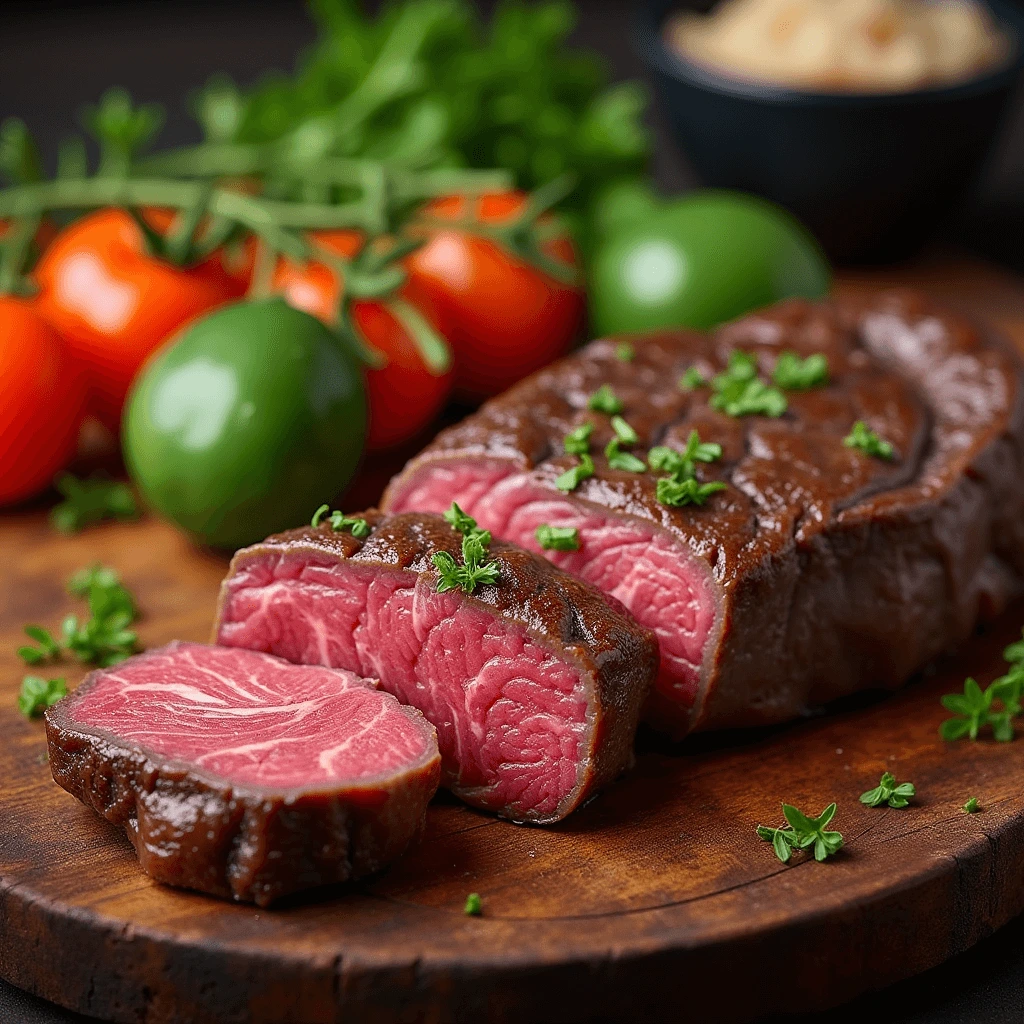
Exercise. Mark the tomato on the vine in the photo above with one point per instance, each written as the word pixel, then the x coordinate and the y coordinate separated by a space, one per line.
pixel 505 317
pixel 115 303
pixel 42 401
pixel 405 393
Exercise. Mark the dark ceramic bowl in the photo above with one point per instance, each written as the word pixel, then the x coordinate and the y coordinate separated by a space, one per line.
pixel 870 174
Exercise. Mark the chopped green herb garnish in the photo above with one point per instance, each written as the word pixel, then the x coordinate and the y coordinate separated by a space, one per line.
pixel 802 832
pixel 91 501
pixel 573 477
pixel 796 374
pixel 739 392
pixel 681 486
pixel 626 461
pixel 862 437
pixel 104 638
pixel 972 806
pixel 605 400
pixel 624 432
pixel 625 352
pixel 577 442
pixel 38 694
pixel 995 706
pixel 558 538
pixel 691 380
pixel 475 569
pixel 473 908
pixel 339 521
pixel 676 493
pixel 887 792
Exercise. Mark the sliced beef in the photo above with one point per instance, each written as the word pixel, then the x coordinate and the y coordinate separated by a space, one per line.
pixel 819 570
pixel 242 775
pixel 534 683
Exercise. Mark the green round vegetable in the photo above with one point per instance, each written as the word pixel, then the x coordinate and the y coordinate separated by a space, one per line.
pixel 695 262
pixel 246 422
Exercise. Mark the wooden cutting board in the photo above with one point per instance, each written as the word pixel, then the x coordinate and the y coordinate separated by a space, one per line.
pixel 656 901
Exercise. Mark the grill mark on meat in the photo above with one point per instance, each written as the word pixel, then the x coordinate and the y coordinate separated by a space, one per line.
pixel 949 400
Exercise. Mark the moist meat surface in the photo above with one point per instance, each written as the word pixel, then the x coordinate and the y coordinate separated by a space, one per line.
pixel 819 570
pixel 242 775
pixel 534 683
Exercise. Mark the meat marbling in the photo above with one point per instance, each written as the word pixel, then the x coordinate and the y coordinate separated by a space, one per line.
pixel 241 775
pixel 819 570
pixel 534 684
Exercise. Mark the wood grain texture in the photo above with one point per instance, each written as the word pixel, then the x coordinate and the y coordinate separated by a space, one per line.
pixel 653 901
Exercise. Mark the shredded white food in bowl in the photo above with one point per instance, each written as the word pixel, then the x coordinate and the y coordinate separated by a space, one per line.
pixel 844 45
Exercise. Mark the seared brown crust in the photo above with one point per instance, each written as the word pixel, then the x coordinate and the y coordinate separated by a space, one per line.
pixel 559 611
pixel 836 571
pixel 194 830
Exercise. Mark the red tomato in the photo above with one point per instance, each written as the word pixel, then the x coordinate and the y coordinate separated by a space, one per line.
pixel 115 304
pixel 42 401
pixel 506 318
pixel 404 395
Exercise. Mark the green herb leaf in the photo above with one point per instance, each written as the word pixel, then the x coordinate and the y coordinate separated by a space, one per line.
pixel 473 908
pixel 972 806
pixel 676 493
pixel 574 476
pixel 681 487
pixel 91 501
pixel 37 694
pixel 796 374
pixel 782 840
pixel 458 520
pixel 888 792
pixel 862 437
pixel 318 515
pixel 691 380
pixel 803 833
pixel 359 528
pixel 625 434
pixel 577 442
pixel 48 647
pixel 625 461
pixel 604 400
pixel 475 570
pixel 625 352
pixel 558 538
pixel 749 398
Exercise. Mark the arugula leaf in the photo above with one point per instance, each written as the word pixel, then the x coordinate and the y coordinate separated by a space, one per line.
pixel 796 374
pixel 474 907
pixel 91 501
pixel 605 400
pixel 862 437
pixel 887 792
pixel 558 538
pixel 625 352
pixel 972 806
pixel 575 475
pixel 38 694
pixel 802 832
pixel 577 442
pixel 691 380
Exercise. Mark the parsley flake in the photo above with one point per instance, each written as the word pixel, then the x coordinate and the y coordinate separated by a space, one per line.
pixel 359 528
pixel 796 374
pixel 801 833
pixel 38 694
pixel 618 459
pixel 625 352
pixel 577 442
pixel 676 493
pixel 624 432
pixel 681 486
pixel 972 806
pixel 691 380
pixel 605 400
pixel 862 437
pixel 473 907
pixel 739 391
pixel 887 792
pixel 575 475
pixel 475 570
pixel 91 501
pixel 558 538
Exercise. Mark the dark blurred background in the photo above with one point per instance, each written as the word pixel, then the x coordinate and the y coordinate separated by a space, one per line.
pixel 56 56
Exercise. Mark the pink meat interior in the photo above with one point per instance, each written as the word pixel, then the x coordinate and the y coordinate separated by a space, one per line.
pixel 253 719
pixel 512 717
pixel 663 585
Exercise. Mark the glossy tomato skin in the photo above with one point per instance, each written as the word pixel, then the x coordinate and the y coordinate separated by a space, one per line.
pixel 505 318
pixel 404 395
pixel 115 304
pixel 42 401
pixel 701 260
pixel 246 422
